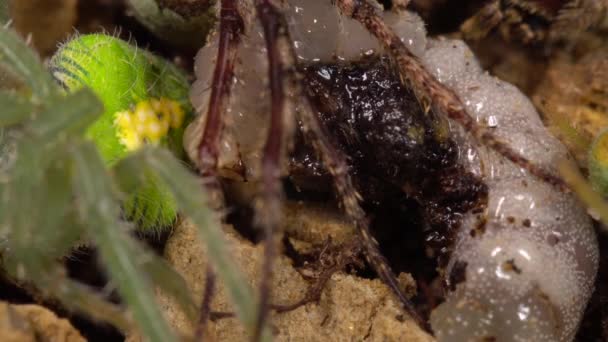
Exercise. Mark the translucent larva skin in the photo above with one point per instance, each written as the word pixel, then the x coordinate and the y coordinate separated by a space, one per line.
pixel 528 272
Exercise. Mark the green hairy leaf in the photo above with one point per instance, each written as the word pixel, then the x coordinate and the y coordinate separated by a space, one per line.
pixel 57 190
pixel 184 186
pixel 98 209
pixel 17 57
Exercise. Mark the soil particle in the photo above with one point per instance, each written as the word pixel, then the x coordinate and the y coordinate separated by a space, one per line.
pixel 574 93
pixel 315 223
pixel 24 323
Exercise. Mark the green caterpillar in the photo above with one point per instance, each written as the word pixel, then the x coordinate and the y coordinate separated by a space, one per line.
pixel 146 102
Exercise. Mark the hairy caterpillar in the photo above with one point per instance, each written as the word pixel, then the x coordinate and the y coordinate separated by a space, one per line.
pixel 146 102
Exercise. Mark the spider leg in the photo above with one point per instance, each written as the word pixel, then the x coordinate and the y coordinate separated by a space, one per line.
pixel 282 59
pixel 231 28
pixel 481 23
pixel 577 16
pixel 205 310
pixel 232 21
pixel 268 206
pixel 336 164
pixel 431 92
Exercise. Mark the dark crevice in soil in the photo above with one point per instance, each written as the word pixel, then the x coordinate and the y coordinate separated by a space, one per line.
pixel 83 267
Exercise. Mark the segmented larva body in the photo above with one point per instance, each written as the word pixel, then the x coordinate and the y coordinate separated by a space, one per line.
pixel 527 276
pixel 522 270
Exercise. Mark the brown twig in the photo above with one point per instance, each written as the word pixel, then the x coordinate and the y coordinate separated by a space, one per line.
pixel 268 208
pixel 346 256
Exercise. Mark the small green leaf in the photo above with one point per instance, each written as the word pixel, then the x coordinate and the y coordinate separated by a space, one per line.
pixel 15 108
pixel 171 282
pixel 71 114
pixel 4 12
pixel 129 177
pixel 81 298
pixel 98 209
pixel 26 176
pixel 584 191
pixel 187 189
pixel 17 57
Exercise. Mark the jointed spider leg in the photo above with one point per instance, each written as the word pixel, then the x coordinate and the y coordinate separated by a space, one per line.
pixel 335 162
pixel 231 28
pixel 205 310
pixel 485 20
pixel 431 92
pixel 577 16
pixel 268 207
pixel 281 49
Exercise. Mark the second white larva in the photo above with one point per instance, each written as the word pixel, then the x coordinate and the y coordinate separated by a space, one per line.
pixel 529 276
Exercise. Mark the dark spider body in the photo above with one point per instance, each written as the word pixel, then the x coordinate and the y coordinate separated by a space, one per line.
pixel 393 146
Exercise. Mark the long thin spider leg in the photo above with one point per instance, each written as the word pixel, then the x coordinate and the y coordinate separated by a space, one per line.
pixel 576 16
pixel 431 92
pixel 334 160
pixel 481 23
pixel 231 28
pixel 268 208
pixel 205 311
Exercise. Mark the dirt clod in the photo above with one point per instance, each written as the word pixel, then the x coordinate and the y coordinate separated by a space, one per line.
pixel 24 323
pixel 350 307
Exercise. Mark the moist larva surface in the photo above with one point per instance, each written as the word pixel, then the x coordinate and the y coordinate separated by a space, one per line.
pixel 528 273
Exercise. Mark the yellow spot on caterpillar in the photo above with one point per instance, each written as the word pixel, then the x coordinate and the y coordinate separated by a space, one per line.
pixel 148 122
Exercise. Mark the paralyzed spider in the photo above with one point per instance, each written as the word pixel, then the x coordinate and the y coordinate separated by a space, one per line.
pixel 534 21
pixel 322 68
